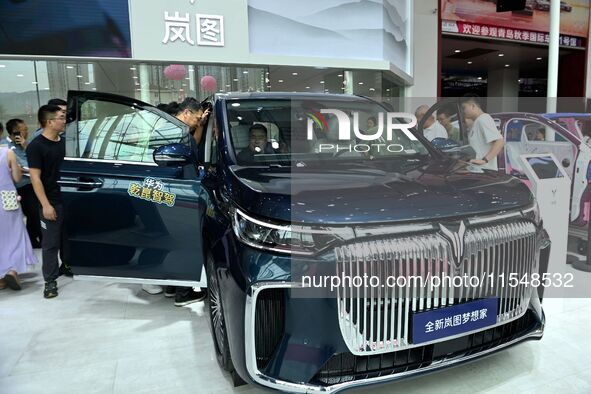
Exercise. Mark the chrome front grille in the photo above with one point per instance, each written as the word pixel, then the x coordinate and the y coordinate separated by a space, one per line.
pixel 377 319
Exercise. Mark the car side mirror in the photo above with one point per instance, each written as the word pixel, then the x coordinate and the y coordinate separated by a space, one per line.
pixel 173 155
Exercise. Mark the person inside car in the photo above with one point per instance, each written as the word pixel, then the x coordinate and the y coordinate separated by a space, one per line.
pixel 257 144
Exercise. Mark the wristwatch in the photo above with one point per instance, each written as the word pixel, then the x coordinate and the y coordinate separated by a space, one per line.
pixel 485 159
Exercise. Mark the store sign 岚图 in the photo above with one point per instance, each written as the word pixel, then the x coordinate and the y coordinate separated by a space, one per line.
pixel 209 29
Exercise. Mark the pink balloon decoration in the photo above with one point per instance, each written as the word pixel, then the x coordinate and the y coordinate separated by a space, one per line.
pixel 175 72
pixel 209 83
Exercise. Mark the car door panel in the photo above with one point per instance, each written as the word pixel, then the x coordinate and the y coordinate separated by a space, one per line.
pixel 131 220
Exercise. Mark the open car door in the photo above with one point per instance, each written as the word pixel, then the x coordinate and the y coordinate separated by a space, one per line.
pixel 128 219
pixel 456 145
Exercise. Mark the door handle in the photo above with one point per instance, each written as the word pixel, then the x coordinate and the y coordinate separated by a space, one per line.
pixel 81 183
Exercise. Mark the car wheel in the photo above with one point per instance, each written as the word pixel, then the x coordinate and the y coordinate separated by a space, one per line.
pixel 217 322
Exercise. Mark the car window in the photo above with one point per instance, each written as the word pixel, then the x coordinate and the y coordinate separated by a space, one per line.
pixel 531 131
pixel 114 131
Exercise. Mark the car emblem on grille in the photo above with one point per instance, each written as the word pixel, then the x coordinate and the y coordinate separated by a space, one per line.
pixel 456 238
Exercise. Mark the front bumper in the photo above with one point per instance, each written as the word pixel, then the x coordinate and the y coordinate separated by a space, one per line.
pixel 531 327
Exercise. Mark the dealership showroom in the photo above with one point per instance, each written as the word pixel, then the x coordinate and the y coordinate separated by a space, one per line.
pixel 250 196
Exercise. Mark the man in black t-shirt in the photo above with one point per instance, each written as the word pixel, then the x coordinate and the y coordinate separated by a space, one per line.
pixel 45 155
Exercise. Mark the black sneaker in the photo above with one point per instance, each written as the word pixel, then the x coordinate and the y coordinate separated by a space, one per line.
pixel 50 290
pixel 183 298
pixel 66 270
pixel 169 291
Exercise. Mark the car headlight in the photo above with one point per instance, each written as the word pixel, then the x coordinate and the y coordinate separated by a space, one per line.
pixel 532 213
pixel 283 238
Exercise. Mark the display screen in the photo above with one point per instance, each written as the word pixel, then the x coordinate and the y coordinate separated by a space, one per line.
pixel 544 167
pixel 98 28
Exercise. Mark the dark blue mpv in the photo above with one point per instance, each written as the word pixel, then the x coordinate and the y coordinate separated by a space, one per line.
pixel 280 218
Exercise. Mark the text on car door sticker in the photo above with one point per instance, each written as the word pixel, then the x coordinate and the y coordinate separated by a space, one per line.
pixel 151 190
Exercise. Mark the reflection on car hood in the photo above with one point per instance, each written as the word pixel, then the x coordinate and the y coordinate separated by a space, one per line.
pixel 358 194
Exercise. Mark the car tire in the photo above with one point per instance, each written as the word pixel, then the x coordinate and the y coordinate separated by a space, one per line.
pixel 217 323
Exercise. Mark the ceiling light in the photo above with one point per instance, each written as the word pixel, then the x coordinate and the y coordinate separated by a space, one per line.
pixel 387 90
pixel 244 72
pixel 78 76
pixel 34 83
pixel 70 67
pixel 134 77
pixel 20 75
pixel 188 78
pixel 506 65
pixel 307 87
pixel 132 68
pixel 228 86
pixel 360 83
pixel 340 75
pixel 457 51
pixel 235 79
pixel 479 78
pixel 501 54
pixel 92 88
pixel 372 89
pixel 469 62
pixel 48 88
pixel 87 83
pixel 280 81
pixel 235 104
pixel 538 58
pixel 322 82
pixel 294 74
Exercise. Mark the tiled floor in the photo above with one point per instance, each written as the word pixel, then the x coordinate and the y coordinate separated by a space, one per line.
pixel 114 338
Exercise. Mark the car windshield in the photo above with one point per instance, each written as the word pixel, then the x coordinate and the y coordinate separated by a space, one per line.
pixel 286 132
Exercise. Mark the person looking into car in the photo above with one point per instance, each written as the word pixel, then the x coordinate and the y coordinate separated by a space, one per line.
pixel 431 128
pixel 484 137
pixel 257 144
pixel 444 116
pixel 17 133
pixel 192 113
pixel 45 155
pixel 195 115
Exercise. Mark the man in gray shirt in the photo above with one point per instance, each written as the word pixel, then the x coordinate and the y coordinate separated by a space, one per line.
pixel 484 137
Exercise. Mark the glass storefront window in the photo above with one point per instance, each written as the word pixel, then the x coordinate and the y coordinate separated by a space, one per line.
pixel 25 85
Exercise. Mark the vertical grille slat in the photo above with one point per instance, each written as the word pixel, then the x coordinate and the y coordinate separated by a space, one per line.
pixel 378 320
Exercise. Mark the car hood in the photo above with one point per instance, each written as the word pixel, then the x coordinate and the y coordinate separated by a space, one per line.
pixel 356 193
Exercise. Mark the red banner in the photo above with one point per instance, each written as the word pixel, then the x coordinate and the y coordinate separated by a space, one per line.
pixel 481 30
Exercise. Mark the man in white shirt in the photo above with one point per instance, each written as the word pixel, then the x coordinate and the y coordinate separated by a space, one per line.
pixel 431 128
pixel 484 137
